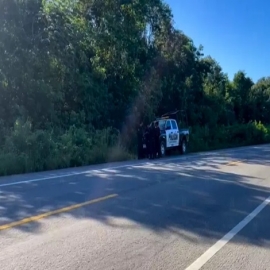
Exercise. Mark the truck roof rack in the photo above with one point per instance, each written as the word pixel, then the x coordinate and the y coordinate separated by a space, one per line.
pixel 172 115
pixel 162 118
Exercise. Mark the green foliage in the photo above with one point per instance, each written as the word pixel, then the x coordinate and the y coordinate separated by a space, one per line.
pixel 25 150
pixel 76 77
pixel 204 139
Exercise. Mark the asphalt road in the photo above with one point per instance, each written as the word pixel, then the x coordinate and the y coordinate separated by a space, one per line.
pixel 201 211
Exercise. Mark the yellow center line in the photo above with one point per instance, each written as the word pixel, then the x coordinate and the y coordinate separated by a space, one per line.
pixel 70 208
pixel 54 212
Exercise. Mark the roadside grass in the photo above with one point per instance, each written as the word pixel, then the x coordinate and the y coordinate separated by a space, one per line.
pixel 24 150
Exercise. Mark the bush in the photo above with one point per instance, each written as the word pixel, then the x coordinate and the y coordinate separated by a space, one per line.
pixel 205 138
pixel 24 150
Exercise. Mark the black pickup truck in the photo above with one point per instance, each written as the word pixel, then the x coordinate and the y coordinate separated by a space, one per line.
pixel 172 136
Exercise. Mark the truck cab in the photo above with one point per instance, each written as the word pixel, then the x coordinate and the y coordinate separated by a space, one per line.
pixel 172 136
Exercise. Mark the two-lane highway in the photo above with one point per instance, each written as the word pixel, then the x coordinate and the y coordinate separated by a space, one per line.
pixel 200 211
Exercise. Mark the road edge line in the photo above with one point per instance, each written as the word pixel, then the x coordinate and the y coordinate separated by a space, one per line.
pixel 205 257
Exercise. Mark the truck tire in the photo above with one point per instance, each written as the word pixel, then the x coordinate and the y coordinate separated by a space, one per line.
pixel 183 147
pixel 162 149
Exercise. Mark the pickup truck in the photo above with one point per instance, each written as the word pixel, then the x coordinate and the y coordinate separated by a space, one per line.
pixel 171 136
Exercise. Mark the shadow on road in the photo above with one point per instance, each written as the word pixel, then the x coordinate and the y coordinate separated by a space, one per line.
pixel 198 195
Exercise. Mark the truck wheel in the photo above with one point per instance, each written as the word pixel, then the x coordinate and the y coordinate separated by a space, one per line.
pixel 183 147
pixel 162 149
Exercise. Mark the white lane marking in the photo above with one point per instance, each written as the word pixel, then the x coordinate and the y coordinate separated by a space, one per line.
pixel 57 176
pixel 122 166
pixel 205 257
pixel 84 172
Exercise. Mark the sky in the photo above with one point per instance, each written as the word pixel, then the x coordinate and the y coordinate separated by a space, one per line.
pixel 236 33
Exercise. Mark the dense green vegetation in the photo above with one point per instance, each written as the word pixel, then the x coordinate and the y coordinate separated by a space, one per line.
pixel 76 77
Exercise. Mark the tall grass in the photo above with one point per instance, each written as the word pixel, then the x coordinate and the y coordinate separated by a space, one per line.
pixel 24 150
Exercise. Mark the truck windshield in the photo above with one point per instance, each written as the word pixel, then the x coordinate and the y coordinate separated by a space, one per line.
pixel 161 124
